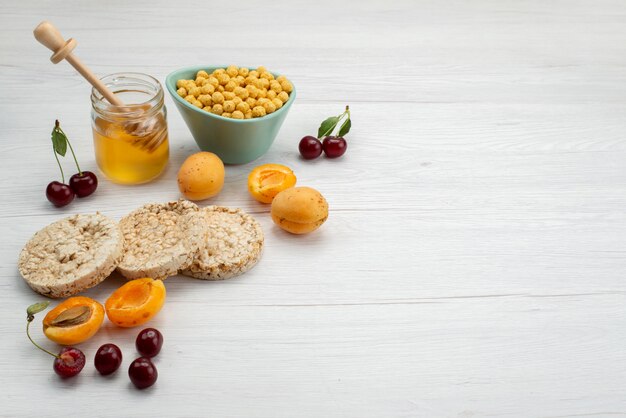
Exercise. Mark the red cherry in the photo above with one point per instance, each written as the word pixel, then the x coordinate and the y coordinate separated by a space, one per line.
pixel 59 194
pixel 149 342
pixel 334 147
pixel 310 147
pixel 142 373
pixel 69 362
pixel 108 359
pixel 85 184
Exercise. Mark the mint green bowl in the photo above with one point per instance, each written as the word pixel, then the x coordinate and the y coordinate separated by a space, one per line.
pixel 235 141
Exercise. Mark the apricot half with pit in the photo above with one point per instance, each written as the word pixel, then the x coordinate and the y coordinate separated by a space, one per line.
pixel 74 320
pixel 136 302
pixel 299 210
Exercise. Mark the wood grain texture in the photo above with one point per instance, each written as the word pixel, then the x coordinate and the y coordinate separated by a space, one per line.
pixel 473 261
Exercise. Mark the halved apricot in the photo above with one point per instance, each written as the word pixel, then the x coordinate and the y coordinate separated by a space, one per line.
pixel 74 320
pixel 267 180
pixel 135 302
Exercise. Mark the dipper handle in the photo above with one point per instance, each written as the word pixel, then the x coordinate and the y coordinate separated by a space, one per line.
pixel 49 36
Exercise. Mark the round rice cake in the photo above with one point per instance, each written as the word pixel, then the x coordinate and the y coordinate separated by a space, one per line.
pixel 233 245
pixel 161 239
pixel 71 255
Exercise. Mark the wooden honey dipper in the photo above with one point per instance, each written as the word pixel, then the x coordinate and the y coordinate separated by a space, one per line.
pixel 147 134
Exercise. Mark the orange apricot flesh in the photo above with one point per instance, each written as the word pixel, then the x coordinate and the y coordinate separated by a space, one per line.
pixel 73 321
pixel 136 302
pixel 267 180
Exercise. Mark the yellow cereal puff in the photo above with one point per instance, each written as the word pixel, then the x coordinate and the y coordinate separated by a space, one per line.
pixel 249 81
pixel 230 86
pixel 195 91
pixel 219 71
pixel 220 88
pixel 258 83
pixel 232 70
pixel 237 115
pixel 261 69
pixel 207 88
pixel 214 81
pixel 229 106
pixel 283 96
pixel 243 71
pixel 253 74
pixel 247 115
pixel 281 78
pixel 237 100
pixel 207 108
pixel 252 91
pixel 229 95
pixel 265 83
pixel 262 101
pixel 206 99
pixel 217 109
pixel 218 98
pixel 267 76
pixel 202 73
pixel 286 86
pixel 182 92
pixel 275 86
pixel 277 102
pixel 239 80
pixel 181 83
pixel 241 92
pixel 190 98
pixel 226 114
pixel 243 107
pixel 269 107
pixel 258 111
pixel 261 93
pixel 201 81
pixel 251 102
pixel 223 78
pixel 198 104
pixel 271 94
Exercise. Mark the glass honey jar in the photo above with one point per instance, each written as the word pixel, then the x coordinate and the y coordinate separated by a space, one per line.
pixel 130 141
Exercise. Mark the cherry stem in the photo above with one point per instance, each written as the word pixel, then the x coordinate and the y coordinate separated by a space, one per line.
pixel 59 163
pixel 58 127
pixel 29 320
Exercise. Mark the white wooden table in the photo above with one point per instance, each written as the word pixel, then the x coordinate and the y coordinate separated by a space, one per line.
pixel 474 260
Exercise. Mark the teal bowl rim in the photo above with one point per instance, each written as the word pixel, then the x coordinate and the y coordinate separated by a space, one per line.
pixel 170 84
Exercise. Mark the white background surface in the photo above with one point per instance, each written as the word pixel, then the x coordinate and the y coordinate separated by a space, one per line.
pixel 473 261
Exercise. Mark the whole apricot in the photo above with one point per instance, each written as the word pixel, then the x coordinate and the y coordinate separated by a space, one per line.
pixel 299 210
pixel 201 176
pixel 136 302
pixel 73 321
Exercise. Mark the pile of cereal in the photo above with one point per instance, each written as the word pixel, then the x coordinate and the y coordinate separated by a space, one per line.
pixel 237 93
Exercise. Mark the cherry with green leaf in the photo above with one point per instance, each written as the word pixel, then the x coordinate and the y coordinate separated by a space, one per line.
pixel 70 361
pixel 81 184
pixel 333 146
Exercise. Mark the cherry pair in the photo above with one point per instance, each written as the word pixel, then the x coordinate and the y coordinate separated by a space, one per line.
pixel 82 184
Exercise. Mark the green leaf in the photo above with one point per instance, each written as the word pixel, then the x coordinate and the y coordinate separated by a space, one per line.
pixel 345 127
pixel 327 126
pixel 37 307
pixel 59 142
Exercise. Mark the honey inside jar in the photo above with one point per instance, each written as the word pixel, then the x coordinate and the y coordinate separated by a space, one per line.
pixel 131 141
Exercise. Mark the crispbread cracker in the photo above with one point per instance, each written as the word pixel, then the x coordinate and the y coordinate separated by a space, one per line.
pixel 233 245
pixel 71 255
pixel 161 239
